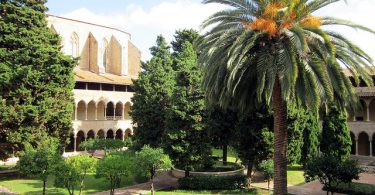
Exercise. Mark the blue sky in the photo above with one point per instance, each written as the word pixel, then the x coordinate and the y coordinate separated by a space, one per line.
pixel 145 19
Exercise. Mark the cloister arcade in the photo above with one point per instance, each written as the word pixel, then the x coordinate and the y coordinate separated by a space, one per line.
pixel 80 136
pixel 101 110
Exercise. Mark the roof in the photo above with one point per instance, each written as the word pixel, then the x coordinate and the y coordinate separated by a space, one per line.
pixel 348 73
pixel 91 24
pixel 88 76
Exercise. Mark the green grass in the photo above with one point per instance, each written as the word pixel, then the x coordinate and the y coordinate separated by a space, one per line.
pixel 295 172
pixel 32 186
pixel 231 155
pixel 213 192
pixel 6 167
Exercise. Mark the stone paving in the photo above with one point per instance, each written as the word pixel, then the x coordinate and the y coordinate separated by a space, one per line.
pixel 164 181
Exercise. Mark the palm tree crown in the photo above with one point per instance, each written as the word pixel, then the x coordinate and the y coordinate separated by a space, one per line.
pixel 256 40
pixel 277 51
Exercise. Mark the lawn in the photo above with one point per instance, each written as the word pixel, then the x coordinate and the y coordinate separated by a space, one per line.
pixel 295 172
pixel 213 192
pixel 32 186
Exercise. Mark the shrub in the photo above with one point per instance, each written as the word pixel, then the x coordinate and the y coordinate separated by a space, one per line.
pixel 355 189
pixel 103 144
pixel 72 171
pixel 213 182
pixel 331 171
pixel 266 168
pixel 150 160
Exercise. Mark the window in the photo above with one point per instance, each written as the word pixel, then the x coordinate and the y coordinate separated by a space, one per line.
pixel 74 45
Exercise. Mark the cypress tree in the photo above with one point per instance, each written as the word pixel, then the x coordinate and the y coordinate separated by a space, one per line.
pixel 336 134
pixel 36 78
pixel 153 90
pixel 296 125
pixel 186 138
pixel 311 137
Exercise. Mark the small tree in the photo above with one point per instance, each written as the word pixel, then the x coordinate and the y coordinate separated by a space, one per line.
pixel 336 134
pixel 266 168
pixel 38 162
pixel 113 167
pixel 311 137
pixel 72 171
pixel 151 159
pixel 331 170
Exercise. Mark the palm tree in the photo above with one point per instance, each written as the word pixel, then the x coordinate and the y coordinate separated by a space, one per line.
pixel 277 51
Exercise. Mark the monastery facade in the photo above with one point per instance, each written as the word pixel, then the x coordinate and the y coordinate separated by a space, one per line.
pixel 108 61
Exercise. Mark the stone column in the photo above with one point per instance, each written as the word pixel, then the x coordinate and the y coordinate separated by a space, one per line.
pixel 96 111
pixel 75 111
pixel 356 146
pixel 370 147
pixel 86 111
pixel 123 135
pixel 123 112
pixel 354 119
pixel 105 112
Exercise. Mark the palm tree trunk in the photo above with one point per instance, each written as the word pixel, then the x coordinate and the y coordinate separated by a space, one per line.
pixel 280 132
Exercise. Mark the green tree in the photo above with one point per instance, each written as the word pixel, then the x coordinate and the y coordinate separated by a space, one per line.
pixel 104 144
pixel 36 78
pixel 277 52
pixel 253 139
pixel 311 137
pixel 153 90
pixel 180 37
pixel 336 134
pixel 266 168
pixel 296 124
pixel 186 137
pixel 113 167
pixel 221 124
pixel 151 159
pixel 39 162
pixel 72 171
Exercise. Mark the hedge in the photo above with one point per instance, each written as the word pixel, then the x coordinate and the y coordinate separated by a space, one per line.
pixel 354 188
pixel 213 182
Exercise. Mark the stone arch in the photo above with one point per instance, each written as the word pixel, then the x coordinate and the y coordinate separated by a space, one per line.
pixel 361 114
pixel 128 133
pixel 119 110
pixel 110 110
pixel 110 134
pixel 127 109
pixel 81 110
pixel 363 144
pixel 91 110
pixel 101 110
pixel 69 147
pixel 74 45
pixel 101 134
pixel 371 108
pixel 119 133
pixel 80 138
pixel 353 146
pixel 91 134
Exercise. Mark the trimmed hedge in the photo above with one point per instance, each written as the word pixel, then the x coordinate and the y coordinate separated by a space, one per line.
pixel 213 182
pixel 354 188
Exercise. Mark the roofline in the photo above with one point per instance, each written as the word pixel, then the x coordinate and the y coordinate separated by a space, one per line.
pixel 91 24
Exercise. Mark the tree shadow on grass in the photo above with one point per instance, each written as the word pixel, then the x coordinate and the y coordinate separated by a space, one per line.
pixel 48 191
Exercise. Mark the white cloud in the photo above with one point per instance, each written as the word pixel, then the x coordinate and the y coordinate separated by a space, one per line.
pixel 166 17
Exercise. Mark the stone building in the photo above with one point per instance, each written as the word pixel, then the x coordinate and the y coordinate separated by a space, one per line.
pixel 108 61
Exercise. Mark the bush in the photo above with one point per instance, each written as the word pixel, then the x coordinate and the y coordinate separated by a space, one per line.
pixel 331 171
pixel 103 144
pixel 354 189
pixel 266 168
pixel 213 182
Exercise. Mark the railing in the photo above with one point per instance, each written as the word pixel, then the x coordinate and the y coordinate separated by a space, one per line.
pixel 113 118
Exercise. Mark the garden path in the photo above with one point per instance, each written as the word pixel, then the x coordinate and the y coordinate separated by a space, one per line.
pixel 5 191
pixel 163 181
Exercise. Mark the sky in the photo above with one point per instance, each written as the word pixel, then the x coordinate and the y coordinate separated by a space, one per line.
pixel 145 19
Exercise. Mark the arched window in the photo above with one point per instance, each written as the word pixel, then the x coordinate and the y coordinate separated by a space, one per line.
pixel 105 52
pixel 74 45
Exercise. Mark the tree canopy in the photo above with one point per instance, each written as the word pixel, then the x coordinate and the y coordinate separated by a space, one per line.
pixel 36 78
